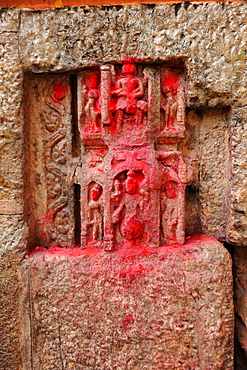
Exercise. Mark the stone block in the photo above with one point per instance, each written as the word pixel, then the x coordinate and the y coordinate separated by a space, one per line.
pixel 12 229
pixel 62 39
pixel 10 357
pixel 240 296
pixel 237 226
pixel 169 308
pixel 207 143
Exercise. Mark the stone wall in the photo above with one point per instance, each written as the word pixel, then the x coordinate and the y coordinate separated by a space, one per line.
pixel 210 39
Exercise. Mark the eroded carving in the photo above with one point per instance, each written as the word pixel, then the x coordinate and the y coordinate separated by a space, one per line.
pixel 128 91
pixel 176 175
pixel 128 213
pixel 92 107
pixel 170 108
pixel 56 156
pixel 172 104
pixel 95 213
pixel 141 199
pixel 169 212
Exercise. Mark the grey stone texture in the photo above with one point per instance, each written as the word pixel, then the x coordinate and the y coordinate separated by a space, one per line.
pixel 169 308
pixel 13 229
pixel 209 38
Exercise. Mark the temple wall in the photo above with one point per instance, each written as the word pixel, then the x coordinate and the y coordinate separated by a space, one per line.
pixel 209 39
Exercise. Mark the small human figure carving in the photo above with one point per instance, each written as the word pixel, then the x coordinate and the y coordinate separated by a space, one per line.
pixel 128 91
pixel 92 108
pixel 170 214
pixel 127 214
pixel 117 192
pixel 62 221
pixel 95 218
pixel 170 107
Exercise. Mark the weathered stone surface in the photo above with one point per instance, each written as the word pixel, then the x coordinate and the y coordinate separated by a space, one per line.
pixel 240 284
pixel 237 228
pixel 13 242
pixel 132 309
pixel 49 161
pixel 12 230
pixel 211 38
pixel 207 143
pixel 211 41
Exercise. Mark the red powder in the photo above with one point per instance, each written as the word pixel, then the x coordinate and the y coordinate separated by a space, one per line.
pixel 59 92
pixel 171 80
pixel 127 321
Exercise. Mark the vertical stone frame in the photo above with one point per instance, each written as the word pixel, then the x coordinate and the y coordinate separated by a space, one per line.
pixel 49 189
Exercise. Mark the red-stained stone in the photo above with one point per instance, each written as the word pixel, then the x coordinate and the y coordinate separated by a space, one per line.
pixel 133 178
pixel 138 308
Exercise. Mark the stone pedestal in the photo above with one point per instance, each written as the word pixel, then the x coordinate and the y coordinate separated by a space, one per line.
pixel 169 308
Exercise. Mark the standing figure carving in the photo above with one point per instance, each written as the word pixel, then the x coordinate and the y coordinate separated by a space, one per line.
pixel 92 107
pixel 170 108
pixel 117 193
pixel 170 212
pixel 176 175
pixel 95 214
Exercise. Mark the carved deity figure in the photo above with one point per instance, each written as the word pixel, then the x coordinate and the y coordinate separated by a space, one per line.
pixel 128 212
pixel 170 213
pixel 117 192
pixel 128 91
pixel 94 213
pixel 92 108
pixel 170 107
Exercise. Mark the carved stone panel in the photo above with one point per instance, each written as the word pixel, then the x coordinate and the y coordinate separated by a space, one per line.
pixel 126 186
pixel 131 119
pixel 49 190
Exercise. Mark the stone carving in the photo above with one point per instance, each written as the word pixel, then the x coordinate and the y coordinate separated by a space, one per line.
pixel 128 189
pixel 56 225
pixel 170 108
pixel 175 176
pixel 92 107
pixel 143 176
pixel 172 104
pixel 128 90
pixel 95 214
pixel 130 208
pixel 169 213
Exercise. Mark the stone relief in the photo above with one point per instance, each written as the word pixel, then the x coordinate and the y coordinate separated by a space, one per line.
pixel 92 107
pixel 172 104
pixel 56 223
pixel 129 89
pixel 95 213
pixel 143 176
pixel 129 210
pixel 131 178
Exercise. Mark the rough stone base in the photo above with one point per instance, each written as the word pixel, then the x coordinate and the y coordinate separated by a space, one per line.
pixel 140 308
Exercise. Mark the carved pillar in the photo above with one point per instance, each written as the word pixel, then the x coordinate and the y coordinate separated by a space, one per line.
pixel 50 189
